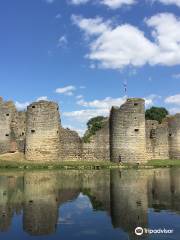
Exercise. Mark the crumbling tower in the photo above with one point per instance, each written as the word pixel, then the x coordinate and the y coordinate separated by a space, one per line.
pixel 174 136
pixel 127 132
pixel 42 131
pixel 7 112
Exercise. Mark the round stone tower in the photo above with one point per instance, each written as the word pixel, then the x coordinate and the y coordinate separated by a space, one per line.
pixel 7 112
pixel 42 131
pixel 174 136
pixel 127 132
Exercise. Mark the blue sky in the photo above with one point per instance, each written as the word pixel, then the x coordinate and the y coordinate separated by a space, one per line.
pixel 79 53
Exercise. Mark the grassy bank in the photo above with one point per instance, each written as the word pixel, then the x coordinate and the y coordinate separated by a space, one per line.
pixel 57 165
pixel 164 163
pixel 10 161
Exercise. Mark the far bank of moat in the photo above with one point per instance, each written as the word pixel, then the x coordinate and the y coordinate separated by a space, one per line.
pixel 16 161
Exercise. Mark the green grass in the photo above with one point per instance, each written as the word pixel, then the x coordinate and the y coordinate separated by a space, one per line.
pixel 83 165
pixel 57 165
pixel 164 163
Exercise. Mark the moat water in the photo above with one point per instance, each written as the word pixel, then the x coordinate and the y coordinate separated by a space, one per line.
pixel 89 205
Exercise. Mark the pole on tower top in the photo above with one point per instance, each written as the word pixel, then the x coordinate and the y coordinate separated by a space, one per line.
pixel 125 88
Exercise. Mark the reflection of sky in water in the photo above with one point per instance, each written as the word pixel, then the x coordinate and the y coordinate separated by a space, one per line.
pixel 167 220
pixel 104 207
pixel 84 223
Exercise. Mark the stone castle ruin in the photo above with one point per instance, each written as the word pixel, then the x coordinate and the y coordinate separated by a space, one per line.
pixel 127 132
pixel 42 131
pixel 125 136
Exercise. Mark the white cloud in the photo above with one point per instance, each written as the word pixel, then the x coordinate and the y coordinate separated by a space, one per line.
pixel 169 2
pixel 79 96
pixel 44 98
pixel 84 115
pixel 175 99
pixel 177 76
pixel 62 42
pixel 114 4
pixel 67 90
pixel 58 16
pixel 174 110
pixel 80 131
pixel 94 108
pixel 106 103
pixel 91 26
pixel 21 106
pixel 150 100
pixel 77 2
pixel 166 32
pixel 124 45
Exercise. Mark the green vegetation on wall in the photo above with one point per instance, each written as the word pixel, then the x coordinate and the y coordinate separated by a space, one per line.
pixel 156 113
pixel 93 125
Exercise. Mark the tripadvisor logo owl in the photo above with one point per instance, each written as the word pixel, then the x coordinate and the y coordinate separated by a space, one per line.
pixel 139 231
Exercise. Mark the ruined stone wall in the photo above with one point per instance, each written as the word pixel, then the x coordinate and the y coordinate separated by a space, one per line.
pixel 18 130
pixel 42 131
pixel 127 132
pixel 70 145
pixel 7 113
pixel 157 144
pixel 125 137
pixel 174 136
pixel 98 146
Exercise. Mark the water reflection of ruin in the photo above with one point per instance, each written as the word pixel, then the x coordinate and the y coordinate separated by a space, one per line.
pixel 40 203
pixel 129 201
pixel 125 195
pixel 164 190
pixel 11 199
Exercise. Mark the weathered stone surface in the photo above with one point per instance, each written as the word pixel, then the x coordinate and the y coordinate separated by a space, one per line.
pixel 18 130
pixel 70 145
pixel 127 132
pixel 125 136
pixel 7 113
pixel 42 131
pixel 174 136
pixel 157 144
pixel 98 146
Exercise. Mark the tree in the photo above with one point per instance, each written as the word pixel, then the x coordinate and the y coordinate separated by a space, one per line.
pixel 93 125
pixel 156 113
